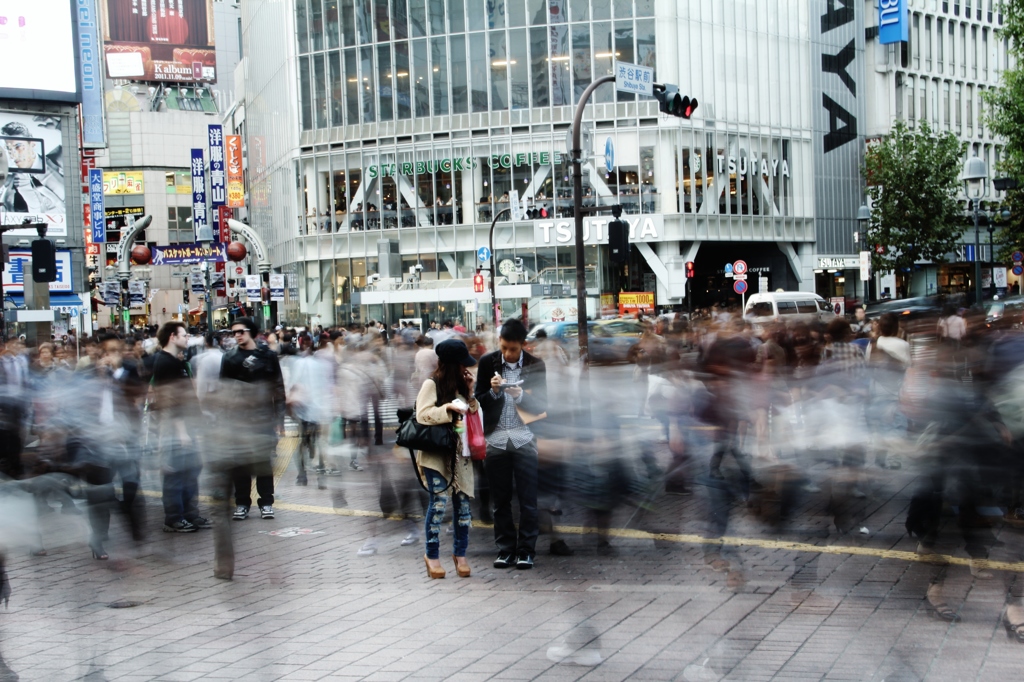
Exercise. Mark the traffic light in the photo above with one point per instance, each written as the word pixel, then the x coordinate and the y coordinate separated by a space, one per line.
pixel 478 283
pixel 618 241
pixel 44 261
pixel 689 270
pixel 672 103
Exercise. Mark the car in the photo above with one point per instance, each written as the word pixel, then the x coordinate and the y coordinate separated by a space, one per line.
pixel 1005 313
pixel 905 308
pixel 786 307
pixel 609 340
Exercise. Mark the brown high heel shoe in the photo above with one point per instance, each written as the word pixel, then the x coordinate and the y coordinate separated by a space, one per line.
pixel 432 571
pixel 462 566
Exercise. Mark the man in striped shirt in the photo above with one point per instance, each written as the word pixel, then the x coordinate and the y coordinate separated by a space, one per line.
pixel 511 388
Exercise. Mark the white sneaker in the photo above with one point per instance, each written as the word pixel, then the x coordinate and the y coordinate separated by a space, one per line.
pixel 411 539
pixel 369 548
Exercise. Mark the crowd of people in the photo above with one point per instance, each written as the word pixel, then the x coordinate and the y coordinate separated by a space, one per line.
pixel 755 422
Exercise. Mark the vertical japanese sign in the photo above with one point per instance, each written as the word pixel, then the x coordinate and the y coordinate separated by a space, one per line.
pixel 236 186
pixel 199 223
pixel 218 184
pixel 97 210
pixel 225 230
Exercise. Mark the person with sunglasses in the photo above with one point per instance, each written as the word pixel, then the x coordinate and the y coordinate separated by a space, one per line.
pixel 251 373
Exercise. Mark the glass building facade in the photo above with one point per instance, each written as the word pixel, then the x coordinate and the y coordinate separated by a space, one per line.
pixel 416 119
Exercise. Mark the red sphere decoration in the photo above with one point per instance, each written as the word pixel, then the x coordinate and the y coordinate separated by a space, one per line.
pixel 236 251
pixel 141 255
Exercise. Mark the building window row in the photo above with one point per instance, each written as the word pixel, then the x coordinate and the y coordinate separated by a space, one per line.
pixel 332 24
pixel 476 72
pixel 945 105
pixel 954 48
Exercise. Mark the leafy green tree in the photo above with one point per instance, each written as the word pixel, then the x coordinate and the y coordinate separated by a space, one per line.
pixel 913 180
pixel 1005 116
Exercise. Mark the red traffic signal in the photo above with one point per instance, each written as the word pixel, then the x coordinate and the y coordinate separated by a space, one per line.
pixel 674 104
pixel 478 283
pixel 690 274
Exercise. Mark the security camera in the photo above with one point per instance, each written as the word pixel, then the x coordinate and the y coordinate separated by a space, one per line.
pixel 373 279
pixel 518 263
pixel 418 267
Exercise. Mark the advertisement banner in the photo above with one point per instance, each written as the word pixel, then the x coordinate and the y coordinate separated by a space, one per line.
pixel 632 302
pixel 218 184
pixel 34 188
pixel 199 222
pixel 97 208
pixel 136 292
pixel 188 254
pixel 277 287
pixel 233 160
pixel 111 292
pixel 37 49
pixel 94 132
pixel 225 230
pixel 198 282
pixel 253 284
pixel 122 182
pixel 893 22
pixel 170 40
pixel 217 280
pixel 21 264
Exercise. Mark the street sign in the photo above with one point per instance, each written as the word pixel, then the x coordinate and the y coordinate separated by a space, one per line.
pixel 1018 257
pixel 739 277
pixel 1018 269
pixel 740 286
pixel 609 155
pixel 740 267
pixel 633 78
pixel 865 266
pixel 513 200
pixel 483 254
pixel 969 253
pixel 728 269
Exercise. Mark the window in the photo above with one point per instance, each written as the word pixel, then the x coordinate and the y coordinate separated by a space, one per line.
pixel 179 225
pixel 539 66
pixel 806 307
pixel 305 94
pixel 460 77
pixel 762 309
pixel 928 43
pixel 786 307
pixel 915 41
pixel 940 44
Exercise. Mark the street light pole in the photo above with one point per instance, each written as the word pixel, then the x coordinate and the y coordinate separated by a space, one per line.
pixel 975 178
pixel 977 256
pixel 494 270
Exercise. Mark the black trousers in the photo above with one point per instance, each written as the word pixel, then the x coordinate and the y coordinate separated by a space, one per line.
pixel 514 469
pixel 242 478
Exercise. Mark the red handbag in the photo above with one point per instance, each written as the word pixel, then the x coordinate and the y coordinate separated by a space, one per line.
pixel 475 436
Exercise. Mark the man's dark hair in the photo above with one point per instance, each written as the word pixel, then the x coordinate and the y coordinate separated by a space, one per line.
pixel 169 329
pixel 839 330
pixel 15 129
pixel 513 330
pixel 888 325
pixel 249 323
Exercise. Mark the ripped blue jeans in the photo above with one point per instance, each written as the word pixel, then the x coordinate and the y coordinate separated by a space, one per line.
pixel 435 516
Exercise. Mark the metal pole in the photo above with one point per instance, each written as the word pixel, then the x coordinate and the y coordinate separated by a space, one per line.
pixel 577 198
pixel 494 271
pixel 992 258
pixel 977 256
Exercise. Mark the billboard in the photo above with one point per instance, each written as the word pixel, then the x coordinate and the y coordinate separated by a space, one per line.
pixel 236 187
pixel 160 40
pixel 93 127
pixel 122 182
pixel 34 189
pixel 893 22
pixel 20 267
pixel 38 51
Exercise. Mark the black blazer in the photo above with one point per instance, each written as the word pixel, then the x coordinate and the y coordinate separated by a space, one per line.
pixel 535 388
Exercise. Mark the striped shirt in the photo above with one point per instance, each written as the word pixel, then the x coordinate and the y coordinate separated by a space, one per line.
pixel 510 426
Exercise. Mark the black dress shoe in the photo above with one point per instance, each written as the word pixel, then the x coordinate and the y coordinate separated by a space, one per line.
pixel 559 548
pixel 504 560
pixel 524 562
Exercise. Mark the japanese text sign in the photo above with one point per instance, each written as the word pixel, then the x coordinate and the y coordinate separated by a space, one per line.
pixel 633 78
pixel 199 217
pixel 97 215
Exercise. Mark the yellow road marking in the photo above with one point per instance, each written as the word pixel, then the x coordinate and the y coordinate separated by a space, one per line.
pixel 631 534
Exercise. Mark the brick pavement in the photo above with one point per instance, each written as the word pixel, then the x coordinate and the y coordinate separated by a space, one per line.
pixel 305 607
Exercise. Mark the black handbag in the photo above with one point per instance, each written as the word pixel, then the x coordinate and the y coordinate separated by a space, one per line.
pixel 415 436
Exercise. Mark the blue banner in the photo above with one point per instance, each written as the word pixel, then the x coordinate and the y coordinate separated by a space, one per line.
pixel 89 51
pixel 218 182
pixel 199 217
pixel 893 22
pixel 97 215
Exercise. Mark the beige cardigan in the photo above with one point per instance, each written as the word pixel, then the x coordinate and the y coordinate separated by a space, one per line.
pixel 430 414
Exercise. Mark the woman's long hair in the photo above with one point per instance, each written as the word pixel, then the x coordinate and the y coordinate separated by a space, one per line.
pixel 450 382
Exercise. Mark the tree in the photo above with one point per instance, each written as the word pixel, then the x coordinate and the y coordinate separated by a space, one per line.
pixel 1005 116
pixel 913 180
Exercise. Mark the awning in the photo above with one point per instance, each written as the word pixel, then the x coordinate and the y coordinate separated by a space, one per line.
pixel 62 302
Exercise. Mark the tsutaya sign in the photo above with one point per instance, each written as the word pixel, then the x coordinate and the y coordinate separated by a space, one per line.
pixel 642 228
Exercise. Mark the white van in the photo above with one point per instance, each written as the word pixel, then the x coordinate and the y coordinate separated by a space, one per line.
pixel 787 306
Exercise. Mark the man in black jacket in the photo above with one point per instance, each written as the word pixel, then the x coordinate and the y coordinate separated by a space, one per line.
pixel 511 387
pixel 262 415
